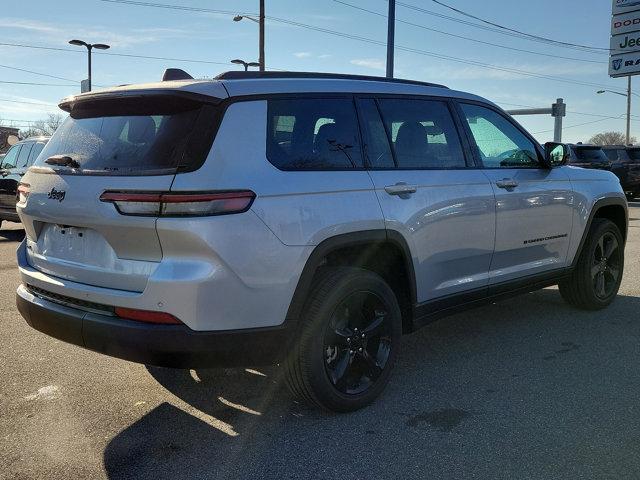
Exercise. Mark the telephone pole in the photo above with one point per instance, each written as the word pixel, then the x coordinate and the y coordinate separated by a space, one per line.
pixel 391 32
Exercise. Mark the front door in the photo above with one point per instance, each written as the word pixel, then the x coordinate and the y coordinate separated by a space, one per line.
pixel 430 192
pixel 533 204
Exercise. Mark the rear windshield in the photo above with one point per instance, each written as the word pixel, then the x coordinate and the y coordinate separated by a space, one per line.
pixel 591 154
pixel 137 135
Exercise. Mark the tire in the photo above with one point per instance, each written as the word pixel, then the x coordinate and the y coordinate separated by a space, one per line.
pixel 595 282
pixel 335 364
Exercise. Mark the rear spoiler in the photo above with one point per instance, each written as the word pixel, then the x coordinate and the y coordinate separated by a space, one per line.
pixel 70 103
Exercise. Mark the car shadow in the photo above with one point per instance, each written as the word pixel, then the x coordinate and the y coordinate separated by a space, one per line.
pixel 11 235
pixel 465 387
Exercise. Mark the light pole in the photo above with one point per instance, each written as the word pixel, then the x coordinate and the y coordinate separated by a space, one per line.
pixel 628 95
pixel 246 65
pixel 89 46
pixel 260 22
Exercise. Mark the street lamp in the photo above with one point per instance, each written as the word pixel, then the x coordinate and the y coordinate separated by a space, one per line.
pixel 89 46
pixel 628 96
pixel 246 65
pixel 260 22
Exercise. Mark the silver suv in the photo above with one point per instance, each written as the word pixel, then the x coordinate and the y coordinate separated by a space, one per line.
pixel 302 219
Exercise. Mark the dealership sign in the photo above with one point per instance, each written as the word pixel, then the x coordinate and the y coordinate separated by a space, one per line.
pixel 625 38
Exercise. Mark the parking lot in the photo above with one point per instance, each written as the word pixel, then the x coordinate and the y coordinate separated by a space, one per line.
pixel 527 388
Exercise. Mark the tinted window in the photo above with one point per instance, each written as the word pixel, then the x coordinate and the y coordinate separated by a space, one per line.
pixel 500 143
pixel 313 134
pixel 612 154
pixel 376 142
pixel 422 133
pixel 590 154
pixel 9 160
pixel 634 153
pixel 35 151
pixel 23 156
pixel 135 135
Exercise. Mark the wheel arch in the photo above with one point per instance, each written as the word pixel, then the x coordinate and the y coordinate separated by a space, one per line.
pixel 382 251
pixel 613 209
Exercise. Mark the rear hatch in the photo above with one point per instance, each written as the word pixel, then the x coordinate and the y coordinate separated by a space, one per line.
pixel 136 142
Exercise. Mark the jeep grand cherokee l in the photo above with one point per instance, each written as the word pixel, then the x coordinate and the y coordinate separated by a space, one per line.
pixel 302 219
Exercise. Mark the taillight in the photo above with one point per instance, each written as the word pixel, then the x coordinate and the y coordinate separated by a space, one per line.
pixel 22 192
pixel 180 204
pixel 147 316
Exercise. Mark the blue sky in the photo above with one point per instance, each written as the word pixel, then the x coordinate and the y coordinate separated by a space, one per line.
pixel 216 38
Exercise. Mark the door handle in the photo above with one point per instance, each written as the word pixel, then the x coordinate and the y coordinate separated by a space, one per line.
pixel 400 188
pixel 507 183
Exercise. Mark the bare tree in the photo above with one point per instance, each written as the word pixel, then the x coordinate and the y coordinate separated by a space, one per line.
pixel 610 138
pixel 43 127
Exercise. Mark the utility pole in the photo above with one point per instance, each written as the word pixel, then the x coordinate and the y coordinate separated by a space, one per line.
pixel 261 57
pixel 391 33
pixel 628 111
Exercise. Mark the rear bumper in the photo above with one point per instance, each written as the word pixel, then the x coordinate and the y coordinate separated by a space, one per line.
pixel 174 346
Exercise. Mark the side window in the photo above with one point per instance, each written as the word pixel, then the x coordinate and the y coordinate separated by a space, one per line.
pixel 500 143
pixel 35 151
pixel 23 156
pixel 313 134
pixel 376 142
pixel 10 159
pixel 423 133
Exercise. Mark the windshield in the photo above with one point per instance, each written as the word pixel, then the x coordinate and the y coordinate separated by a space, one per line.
pixel 590 154
pixel 133 136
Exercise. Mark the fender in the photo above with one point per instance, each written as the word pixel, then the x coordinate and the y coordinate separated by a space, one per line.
pixel 316 259
pixel 603 202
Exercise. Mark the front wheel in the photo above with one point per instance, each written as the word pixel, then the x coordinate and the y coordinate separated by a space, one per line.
pixel 596 279
pixel 349 340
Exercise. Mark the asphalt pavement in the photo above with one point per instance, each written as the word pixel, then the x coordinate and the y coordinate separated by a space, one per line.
pixel 528 388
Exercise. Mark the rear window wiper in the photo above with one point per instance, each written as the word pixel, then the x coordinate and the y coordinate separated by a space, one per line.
pixel 62 161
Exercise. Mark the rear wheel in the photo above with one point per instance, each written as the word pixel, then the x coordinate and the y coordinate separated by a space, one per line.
pixel 350 335
pixel 596 280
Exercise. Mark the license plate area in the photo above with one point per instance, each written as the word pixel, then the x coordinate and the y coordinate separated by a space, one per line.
pixel 72 244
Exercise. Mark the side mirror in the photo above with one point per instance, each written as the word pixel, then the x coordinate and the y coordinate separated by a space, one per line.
pixel 555 154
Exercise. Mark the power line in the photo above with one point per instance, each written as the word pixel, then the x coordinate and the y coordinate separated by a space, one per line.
pixel 37 73
pixel 486 28
pixel 39 84
pixel 577 125
pixel 370 41
pixel 28 103
pixel 470 38
pixel 536 37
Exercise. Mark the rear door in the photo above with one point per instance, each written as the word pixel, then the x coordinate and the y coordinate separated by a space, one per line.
pixel 533 204
pixel 113 145
pixel 430 192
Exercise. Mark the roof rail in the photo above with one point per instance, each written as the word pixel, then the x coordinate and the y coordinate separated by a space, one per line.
pixel 240 75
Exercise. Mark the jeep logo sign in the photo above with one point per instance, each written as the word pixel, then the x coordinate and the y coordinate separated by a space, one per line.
pixel 56 194
pixel 625 38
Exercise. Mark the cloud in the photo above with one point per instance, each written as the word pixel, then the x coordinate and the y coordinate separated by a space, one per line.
pixel 324 56
pixel 373 63
pixel 302 54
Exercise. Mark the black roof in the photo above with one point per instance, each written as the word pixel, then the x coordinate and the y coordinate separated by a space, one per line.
pixel 240 75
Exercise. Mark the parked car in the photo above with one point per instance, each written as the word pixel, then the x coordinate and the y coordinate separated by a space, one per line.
pixel 625 164
pixel 302 219
pixel 12 167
